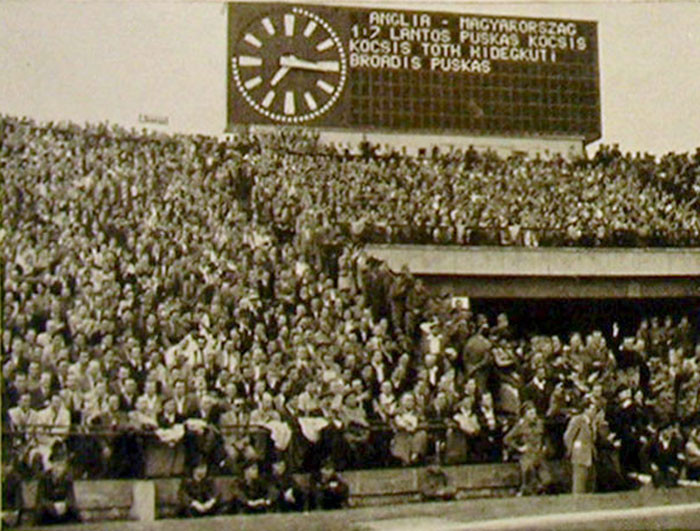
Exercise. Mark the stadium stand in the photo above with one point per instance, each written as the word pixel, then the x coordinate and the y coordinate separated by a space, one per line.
pixel 172 300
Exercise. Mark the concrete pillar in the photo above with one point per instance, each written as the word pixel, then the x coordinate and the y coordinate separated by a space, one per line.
pixel 143 504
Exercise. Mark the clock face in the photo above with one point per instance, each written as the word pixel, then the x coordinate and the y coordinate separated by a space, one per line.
pixel 289 65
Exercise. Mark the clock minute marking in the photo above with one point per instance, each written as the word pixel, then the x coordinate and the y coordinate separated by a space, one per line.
pixel 279 75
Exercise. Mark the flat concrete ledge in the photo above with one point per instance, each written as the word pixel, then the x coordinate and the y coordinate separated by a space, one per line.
pixel 465 511
pixel 564 288
pixel 564 262
pixel 98 500
pixel 146 500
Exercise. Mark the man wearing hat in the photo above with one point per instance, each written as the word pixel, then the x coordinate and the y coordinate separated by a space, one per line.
pixel 526 437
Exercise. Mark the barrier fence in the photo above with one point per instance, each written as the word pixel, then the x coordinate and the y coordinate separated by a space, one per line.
pixel 157 452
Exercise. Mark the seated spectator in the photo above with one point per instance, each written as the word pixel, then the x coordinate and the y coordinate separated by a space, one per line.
pixel 287 494
pixel 331 491
pixel 667 458
pixel 410 441
pixel 20 418
pixel 356 431
pixel 152 398
pixel 692 454
pixel 167 417
pixel 234 429
pixel 41 395
pixel 55 496
pixel 197 495
pixel 49 425
pixel 185 404
pixel 12 499
pixel 203 438
pixel 142 418
pixel 128 395
pixel 253 494
pixel 435 485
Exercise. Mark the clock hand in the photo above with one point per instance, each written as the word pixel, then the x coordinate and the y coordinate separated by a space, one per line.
pixel 292 61
pixel 279 74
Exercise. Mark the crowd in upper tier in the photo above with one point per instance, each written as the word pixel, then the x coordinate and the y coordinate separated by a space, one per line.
pixel 215 296
pixel 466 198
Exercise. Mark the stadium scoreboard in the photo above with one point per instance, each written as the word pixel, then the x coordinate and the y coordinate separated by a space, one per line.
pixel 412 71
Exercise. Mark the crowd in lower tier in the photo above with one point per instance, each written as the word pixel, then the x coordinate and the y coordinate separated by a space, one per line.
pixel 166 290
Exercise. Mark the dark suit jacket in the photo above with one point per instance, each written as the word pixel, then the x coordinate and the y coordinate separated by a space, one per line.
pixel 127 403
pixel 40 398
pixel 185 409
pixel 191 490
pixel 539 397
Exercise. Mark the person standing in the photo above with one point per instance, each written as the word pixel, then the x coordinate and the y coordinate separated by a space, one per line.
pixel 527 438
pixel 579 439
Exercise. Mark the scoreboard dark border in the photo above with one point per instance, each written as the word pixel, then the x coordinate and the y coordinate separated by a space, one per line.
pixel 545 99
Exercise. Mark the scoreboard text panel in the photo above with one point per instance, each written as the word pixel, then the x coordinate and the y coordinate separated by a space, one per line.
pixel 404 71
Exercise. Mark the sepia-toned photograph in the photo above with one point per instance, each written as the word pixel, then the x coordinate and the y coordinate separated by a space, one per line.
pixel 350 265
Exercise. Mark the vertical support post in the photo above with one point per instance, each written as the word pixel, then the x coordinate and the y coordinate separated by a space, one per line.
pixel 143 504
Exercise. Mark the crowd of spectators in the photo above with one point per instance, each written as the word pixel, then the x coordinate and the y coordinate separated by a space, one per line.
pixel 467 198
pixel 206 295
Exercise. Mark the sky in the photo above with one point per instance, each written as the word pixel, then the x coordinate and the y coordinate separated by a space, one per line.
pixel 116 60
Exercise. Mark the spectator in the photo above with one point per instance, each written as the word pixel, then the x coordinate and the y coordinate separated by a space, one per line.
pixel 527 439
pixel 692 455
pixel 197 495
pixel 253 494
pixel 132 259
pixel 667 458
pixel 49 426
pixel 331 491
pixel 580 441
pixel 410 441
pixel 55 496
pixel 287 495
pixel 435 485
pixel 12 499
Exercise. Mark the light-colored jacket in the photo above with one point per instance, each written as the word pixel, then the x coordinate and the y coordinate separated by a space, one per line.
pixel 579 439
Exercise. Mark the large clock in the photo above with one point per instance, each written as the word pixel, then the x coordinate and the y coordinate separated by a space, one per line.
pixel 289 65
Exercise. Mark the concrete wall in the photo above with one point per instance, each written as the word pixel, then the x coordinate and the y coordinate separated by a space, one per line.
pixel 542 262
pixel 564 288
pixel 115 499
pixel 517 272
